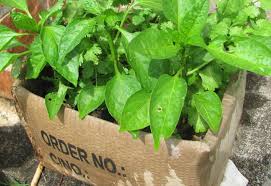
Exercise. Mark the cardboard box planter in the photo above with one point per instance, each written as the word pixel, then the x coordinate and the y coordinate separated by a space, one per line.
pixel 93 150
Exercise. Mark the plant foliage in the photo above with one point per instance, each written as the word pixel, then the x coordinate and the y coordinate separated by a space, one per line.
pixel 154 64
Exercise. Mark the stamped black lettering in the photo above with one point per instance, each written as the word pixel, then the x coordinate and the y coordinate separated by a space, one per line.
pixel 73 151
pixel 65 164
pixel 45 138
pixel 76 169
pixel 54 142
pixel 83 155
pixel 63 147
pixel 110 165
pixel 97 162
pixel 54 158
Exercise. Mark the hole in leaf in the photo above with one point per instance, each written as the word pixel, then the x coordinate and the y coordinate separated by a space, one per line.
pixel 159 109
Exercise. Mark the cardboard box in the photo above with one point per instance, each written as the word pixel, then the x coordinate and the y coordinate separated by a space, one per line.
pixel 94 151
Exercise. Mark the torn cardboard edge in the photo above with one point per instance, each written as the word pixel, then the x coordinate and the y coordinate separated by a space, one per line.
pixel 93 150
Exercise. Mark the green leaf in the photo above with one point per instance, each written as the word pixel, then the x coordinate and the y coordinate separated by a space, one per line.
pixel 250 53
pixel 230 8
pixel 93 53
pixel 37 61
pixel 54 101
pixel 6 59
pixel 262 28
pixel 54 10
pixel 12 43
pixel 50 40
pixel 118 90
pixel 90 98
pixel 152 4
pixel 24 22
pixel 209 107
pixel 135 134
pixel 166 105
pixel 50 36
pixel 211 77
pixel 197 121
pixel 220 29
pixel 7 36
pixel 73 35
pixel 88 70
pixel 147 70
pixel 96 6
pixel 19 4
pixel 189 16
pixel 155 44
pixel 135 114
pixel 266 4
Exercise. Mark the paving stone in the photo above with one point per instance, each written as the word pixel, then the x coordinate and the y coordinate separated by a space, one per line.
pixel 252 148
pixel 17 159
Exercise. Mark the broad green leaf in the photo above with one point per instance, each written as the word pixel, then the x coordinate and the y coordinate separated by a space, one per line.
pixel 230 8
pixel 19 4
pixel 7 36
pixel 105 67
pixel 155 44
pixel 220 29
pixel 70 68
pixel 262 28
pixel 209 107
pixel 211 77
pixel 90 98
pixel 37 61
pixel 196 121
pixel 73 35
pixel 54 100
pixel 24 22
pixel 250 53
pixel 147 70
pixel 96 6
pixel 6 59
pixel 135 114
pixel 118 91
pixel 144 53
pixel 266 4
pixel 50 41
pixel 166 105
pixel 50 36
pixel 12 43
pixel 73 10
pixel 55 9
pixel 87 69
pixel 189 16
pixel 152 4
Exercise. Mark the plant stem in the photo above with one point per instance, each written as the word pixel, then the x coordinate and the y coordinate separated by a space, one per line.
pixel 130 7
pixel 113 52
pixel 198 68
pixel 24 53
pixel 28 13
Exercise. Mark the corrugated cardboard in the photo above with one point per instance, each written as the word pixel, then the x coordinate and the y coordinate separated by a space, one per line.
pixel 93 150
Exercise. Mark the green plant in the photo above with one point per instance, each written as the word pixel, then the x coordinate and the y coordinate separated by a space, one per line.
pixel 151 61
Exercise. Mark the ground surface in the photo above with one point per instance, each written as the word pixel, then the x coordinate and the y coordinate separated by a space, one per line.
pixel 251 152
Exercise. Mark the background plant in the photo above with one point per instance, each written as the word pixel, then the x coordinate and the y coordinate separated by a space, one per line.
pixel 152 63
